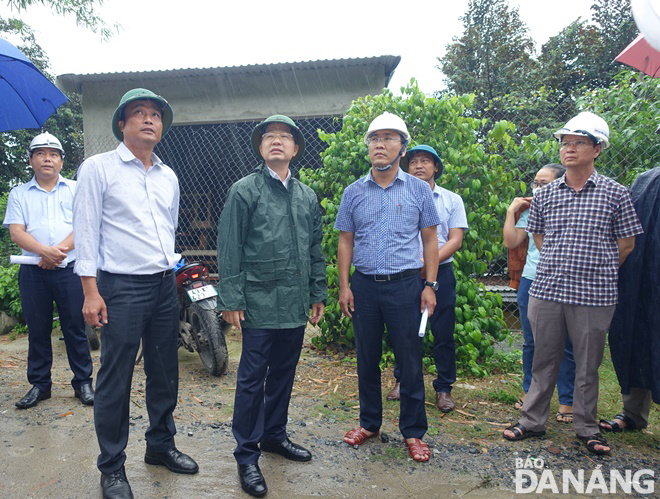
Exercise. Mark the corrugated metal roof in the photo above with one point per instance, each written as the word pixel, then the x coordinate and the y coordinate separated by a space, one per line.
pixel 73 82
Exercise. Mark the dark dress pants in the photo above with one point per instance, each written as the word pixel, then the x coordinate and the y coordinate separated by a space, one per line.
pixel 140 307
pixel 39 288
pixel 442 324
pixel 395 304
pixel 263 388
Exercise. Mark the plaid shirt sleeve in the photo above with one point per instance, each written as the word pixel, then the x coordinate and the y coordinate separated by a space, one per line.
pixel 626 222
pixel 535 222
pixel 344 221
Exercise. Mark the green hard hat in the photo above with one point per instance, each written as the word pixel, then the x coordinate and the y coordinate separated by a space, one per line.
pixel 277 118
pixel 137 94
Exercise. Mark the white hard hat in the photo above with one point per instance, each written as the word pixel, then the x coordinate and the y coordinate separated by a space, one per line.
pixel 589 125
pixel 387 121
pixel 46 140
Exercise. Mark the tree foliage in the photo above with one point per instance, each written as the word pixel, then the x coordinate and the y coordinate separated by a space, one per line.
pixel 630 106
pixel 474 168
pixel 582 54
pixel 84 12
pixel 493 55
pixel 65 124
pixel 495 59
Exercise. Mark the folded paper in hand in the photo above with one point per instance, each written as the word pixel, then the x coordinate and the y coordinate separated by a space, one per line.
pixel 28 260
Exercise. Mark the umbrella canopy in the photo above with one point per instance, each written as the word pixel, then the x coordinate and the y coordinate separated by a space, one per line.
pixel 640 55
pixel 27 97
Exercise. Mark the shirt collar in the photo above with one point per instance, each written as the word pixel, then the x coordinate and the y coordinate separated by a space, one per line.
pixel 127 156
pixel 400 175
pixel 277 177
pixel 594 179
pixel 33 182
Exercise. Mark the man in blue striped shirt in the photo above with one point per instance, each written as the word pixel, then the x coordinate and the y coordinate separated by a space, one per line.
pixel 379 219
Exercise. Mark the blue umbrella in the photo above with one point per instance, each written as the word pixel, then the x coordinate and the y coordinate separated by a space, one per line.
pixel 27 97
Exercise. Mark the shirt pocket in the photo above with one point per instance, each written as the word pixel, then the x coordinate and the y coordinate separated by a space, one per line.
pixel 405 218
pixel 66 207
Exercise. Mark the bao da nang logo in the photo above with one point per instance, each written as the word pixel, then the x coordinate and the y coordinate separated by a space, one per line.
pixel 532 477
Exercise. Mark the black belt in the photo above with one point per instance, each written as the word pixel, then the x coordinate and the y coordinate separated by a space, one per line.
pixel 162 274
pixel 390 277
pixel 443 265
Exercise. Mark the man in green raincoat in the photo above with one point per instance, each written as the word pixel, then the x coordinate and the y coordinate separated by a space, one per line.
pixel 271 273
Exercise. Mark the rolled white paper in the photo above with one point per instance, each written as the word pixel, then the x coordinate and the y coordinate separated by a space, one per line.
pixel 28 260
pixel 422 324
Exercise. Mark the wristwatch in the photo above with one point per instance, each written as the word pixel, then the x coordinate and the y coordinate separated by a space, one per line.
pixel 432 284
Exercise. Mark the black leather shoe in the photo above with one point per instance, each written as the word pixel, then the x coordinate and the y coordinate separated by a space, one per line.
pixel 252 480
pixel 85 393
pixel 32 398
pixel 115 485
pixel 288 449
pixel 175 461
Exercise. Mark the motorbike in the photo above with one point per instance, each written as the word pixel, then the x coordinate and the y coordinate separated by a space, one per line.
pixel 201 326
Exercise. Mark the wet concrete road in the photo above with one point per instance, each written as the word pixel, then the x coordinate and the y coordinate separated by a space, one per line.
pixel 50 451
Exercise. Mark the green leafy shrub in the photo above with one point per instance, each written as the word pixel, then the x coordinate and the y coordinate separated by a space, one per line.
pixel 19 330
pixel 7 247
pixel 631 107
pixel 475 168
pixel 10 296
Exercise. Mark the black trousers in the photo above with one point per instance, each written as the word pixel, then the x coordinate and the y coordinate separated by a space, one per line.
pixel 442 324
pixel 39 288
pixel 263 388
pixel 139 308
pixel 395 304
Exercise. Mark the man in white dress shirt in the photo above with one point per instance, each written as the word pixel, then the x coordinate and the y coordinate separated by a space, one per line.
pixel 125 214
pixel 39 221
pixel 424 163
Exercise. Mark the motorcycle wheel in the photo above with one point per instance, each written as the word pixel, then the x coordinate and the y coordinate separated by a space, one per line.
pixel 92 337
pixel 210 338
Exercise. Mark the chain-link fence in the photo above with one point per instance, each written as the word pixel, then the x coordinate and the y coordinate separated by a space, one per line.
pixel 208 159
pixel 621 162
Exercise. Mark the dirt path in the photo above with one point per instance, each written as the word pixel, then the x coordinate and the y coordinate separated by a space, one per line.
pixel 50 450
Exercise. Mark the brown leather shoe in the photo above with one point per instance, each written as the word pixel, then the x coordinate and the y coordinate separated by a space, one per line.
pixel 444 402
pixel 395 393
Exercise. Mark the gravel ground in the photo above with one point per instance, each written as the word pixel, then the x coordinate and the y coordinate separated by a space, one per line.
pixel 50 450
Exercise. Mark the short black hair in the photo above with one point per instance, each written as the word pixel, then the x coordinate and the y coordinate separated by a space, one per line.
pixel 556 168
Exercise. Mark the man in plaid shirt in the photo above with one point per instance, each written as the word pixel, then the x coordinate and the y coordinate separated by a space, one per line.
pixel 585 226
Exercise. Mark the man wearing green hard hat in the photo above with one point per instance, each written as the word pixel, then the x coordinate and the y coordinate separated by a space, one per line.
pixel 271 272
pixel 125 213
pixel 423 162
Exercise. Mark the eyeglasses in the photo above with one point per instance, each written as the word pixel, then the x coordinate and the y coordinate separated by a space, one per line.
pixel 372 141
pixel 575 143
pixel 536 184
pixel 270 137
